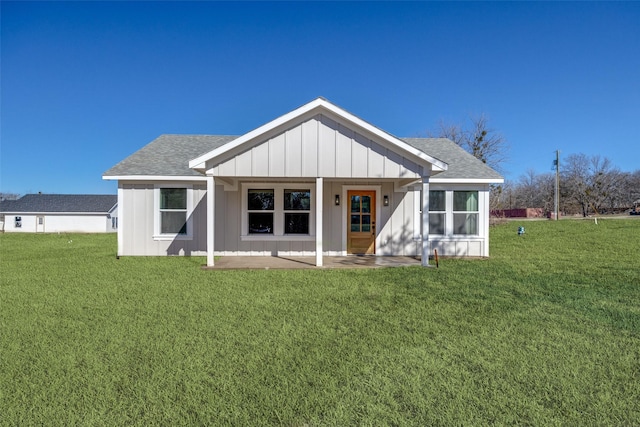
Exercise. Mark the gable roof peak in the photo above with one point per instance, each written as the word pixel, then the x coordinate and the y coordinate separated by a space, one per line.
pixel 200 163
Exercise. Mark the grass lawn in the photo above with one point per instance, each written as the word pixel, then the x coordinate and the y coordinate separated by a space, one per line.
pixel 545 332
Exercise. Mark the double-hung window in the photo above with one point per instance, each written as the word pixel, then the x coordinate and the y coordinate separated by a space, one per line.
pixel 437 211
pixel 173 209
pixel 297 208
pixel 465 212
pixel 260 208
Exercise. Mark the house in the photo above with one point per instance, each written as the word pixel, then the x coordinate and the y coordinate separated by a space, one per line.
pixel 317 181
pixel 53 213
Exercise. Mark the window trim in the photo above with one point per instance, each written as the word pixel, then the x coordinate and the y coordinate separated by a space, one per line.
pixel 476 212
pixel 157 235
pixel 278 212
pixel 450 234
pixel 443 213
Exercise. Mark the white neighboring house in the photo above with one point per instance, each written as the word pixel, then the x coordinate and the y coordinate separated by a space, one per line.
pixel 317 181
pixel 53 213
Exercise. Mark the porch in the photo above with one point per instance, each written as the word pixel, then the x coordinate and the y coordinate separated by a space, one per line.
pixel 309 262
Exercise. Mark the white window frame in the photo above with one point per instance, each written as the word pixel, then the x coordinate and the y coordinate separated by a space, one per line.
pixel 443 213
pixel 449 214
pixel 278 211
pixel 476 212
pixel 157 235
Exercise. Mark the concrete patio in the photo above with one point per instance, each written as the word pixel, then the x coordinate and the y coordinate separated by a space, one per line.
pixel 309 262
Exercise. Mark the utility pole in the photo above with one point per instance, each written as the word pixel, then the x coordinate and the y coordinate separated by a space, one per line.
pixel 557 195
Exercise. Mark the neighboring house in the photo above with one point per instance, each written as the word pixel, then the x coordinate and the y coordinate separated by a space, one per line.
pixel 317 181
pixel 53 213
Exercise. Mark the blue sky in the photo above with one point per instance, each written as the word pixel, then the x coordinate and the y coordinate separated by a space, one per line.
pixel 85 84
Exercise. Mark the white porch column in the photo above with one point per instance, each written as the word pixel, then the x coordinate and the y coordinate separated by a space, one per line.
pixel 426 247
pixel 319 199
pixel 121 223
pixel 211 204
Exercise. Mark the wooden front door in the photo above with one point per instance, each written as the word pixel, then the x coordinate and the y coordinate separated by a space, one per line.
pixel 361 222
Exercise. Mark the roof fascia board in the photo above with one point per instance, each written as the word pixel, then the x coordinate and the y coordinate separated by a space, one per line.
pixel 200 162
pixel 392 141
pixel 466 180
pixel 318 105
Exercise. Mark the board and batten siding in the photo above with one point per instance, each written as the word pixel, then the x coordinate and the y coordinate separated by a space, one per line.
pixel 318 147
pixel 396 233
pixel 394 236
pixel 136 222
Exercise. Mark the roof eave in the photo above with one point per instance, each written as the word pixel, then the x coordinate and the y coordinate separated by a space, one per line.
pixel 437 180
pixel 153 178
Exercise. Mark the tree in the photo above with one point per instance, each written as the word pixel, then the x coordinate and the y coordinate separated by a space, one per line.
pixel 590 182
pixel 9 196
pixel 478 139
pixel 535 190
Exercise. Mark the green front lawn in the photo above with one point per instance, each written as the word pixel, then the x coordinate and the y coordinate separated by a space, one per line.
pixel 546 331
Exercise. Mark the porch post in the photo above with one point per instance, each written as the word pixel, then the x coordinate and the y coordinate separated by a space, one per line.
pixel 319 198
pixel 426 247
pixel 121 223
pixel 211 203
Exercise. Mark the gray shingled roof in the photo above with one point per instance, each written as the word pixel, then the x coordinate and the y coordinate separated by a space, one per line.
pixel 169 155
pixel 85 203
pixel 462 165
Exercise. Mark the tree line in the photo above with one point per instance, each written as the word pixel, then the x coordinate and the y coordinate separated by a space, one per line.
pixel 588 185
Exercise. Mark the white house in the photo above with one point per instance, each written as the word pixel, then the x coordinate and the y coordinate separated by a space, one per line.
pixel 318 181
pixel 53 213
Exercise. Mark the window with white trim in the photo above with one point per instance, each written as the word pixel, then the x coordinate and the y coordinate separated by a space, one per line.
pixel 276 211
pixel 260 208
pixel 173 207
pixel 173 211
pixel 437 211
pixel 465 212
pixel 297 209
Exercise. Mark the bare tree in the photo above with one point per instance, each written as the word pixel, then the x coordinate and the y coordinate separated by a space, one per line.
pixel 9 196
pixel 535 190
pixel 479 139
pixel 590 182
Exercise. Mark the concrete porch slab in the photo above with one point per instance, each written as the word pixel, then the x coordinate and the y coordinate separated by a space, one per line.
pixel 309 262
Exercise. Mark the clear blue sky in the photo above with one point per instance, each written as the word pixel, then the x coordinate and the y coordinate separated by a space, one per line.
pixel 85 84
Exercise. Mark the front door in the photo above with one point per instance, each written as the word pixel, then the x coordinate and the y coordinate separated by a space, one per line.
pixel 361 227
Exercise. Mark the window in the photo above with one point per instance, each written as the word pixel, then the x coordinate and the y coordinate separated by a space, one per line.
pixel 465 212
pixel 173 211
pixel 277 211
pixel 297 207
pixel 260 206
pixel 437 212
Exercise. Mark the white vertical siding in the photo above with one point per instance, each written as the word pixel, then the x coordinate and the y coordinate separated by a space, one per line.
pixel 309 148
pixel 136 223
pixel 293 152
pixel 318 147
pixel 394 224
pixel 277 156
